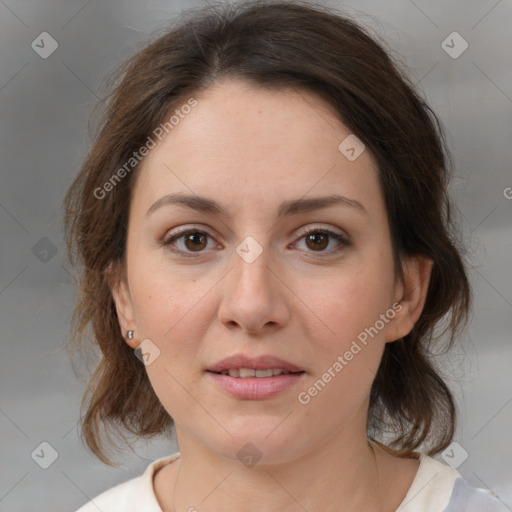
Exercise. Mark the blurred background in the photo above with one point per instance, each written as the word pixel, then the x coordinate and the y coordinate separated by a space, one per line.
pixel 54 56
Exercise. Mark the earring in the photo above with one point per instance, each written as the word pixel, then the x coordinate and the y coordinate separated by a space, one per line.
pixel 129 335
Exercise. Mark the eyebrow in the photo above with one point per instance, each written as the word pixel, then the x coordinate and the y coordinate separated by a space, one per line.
pixel 290 207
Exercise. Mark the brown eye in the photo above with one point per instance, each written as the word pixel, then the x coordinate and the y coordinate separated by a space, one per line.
pixel 317 241
pixel 195 241
pixel 322 241
pixel 186 243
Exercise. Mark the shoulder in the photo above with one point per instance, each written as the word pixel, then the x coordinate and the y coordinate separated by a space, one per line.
pixel 465 498
pixel 438 487
pixel 135 495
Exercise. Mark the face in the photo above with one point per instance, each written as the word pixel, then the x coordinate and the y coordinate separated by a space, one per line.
pixel 303 283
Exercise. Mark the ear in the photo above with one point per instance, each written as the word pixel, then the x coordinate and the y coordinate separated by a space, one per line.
pixel 124 307
pixel 410 295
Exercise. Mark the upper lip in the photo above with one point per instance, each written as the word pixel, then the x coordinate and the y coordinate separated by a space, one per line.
pixel 263 362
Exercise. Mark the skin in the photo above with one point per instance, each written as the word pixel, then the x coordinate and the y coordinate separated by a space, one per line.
pixel 251 149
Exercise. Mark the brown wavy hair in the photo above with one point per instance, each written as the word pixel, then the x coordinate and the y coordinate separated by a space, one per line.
pixel 273 45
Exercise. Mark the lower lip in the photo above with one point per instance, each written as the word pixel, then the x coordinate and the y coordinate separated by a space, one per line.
pixel 255 388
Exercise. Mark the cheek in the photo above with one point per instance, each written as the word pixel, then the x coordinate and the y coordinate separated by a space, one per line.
pixel 350 340
pixel 348 303
pixel 165 300
pixel 173 313
pixel 347 354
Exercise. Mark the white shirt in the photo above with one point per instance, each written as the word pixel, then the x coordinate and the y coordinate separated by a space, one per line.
pixel 435 488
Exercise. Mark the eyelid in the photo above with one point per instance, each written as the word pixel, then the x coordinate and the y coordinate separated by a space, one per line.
pixel 303 230
pixel 343 239
pixel 308 228
pixel 167 240
pixel 184 230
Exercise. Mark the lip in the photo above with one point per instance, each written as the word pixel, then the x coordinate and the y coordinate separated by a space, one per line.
pixel 255 388
pixel 263 362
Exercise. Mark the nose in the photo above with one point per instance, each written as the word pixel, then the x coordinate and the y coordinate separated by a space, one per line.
pixel 254 297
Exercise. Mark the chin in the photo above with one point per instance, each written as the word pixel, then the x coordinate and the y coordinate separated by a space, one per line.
pixel 259 445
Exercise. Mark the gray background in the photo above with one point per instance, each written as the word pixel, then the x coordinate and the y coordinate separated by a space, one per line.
pixel 44 135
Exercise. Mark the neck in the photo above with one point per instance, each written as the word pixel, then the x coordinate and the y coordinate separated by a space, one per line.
pixel 341 475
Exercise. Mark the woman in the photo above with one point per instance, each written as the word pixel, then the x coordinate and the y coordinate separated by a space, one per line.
pixel 267 247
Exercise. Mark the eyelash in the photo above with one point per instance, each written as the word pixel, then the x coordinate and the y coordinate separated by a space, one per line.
pixel 339 238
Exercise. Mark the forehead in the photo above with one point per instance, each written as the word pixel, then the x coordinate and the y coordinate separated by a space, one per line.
pixel 233 111
pixel 243 143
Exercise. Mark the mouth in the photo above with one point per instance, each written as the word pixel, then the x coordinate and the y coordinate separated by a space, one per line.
pixel 245 366
pixel 255 378
pixel 247 373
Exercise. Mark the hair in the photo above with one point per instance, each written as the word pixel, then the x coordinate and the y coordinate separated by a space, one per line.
pixel 274 45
